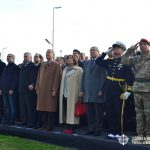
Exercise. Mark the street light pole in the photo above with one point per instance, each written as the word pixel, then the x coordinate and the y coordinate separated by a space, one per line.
pixel 2 55
pixel 54 26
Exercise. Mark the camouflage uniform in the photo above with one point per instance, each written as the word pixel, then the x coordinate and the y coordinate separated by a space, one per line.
pixel 141 89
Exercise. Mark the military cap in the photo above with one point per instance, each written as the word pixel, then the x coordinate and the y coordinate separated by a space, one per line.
pixel 120 44
pixel 145 41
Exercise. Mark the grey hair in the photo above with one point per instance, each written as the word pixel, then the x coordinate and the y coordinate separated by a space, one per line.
pixel 28 53
pixel 95 47
pixel 12 55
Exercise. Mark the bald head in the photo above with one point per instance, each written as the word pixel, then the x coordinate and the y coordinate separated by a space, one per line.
pixel 50 54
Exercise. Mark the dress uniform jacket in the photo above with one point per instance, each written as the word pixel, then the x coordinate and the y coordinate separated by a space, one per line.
pixel 119 77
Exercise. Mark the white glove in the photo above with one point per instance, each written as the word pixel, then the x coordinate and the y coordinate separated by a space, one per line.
pixel 109 50
pixel 125 95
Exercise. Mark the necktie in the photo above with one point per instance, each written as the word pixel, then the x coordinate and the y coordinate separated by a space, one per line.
pixel 92 63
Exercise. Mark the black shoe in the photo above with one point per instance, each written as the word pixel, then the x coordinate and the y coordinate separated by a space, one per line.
pixel 30 126
pixel 11 123
pixel 4 121
pixel 49 129
pixel 37 127
pixel 43 127
pixel 21 123
pixel 89 133
pixel 97 133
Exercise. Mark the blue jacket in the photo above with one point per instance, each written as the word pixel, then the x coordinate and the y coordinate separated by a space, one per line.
pixel 9 78
pixel 93 78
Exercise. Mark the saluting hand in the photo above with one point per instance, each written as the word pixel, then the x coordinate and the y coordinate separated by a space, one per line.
pixel 109 50
pixel 134 47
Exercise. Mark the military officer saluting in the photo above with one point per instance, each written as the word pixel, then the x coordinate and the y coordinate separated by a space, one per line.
pixel 119 83
pixel 141 86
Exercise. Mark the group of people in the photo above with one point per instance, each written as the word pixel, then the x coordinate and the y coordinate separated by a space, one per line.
pixel 114 89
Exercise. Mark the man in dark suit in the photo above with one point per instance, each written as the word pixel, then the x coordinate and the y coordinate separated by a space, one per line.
pixel 34 120
pixel 23 87
pixel 2 66
pixel 91 89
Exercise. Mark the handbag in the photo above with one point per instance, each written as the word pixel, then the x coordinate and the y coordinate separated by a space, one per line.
pixel 80 109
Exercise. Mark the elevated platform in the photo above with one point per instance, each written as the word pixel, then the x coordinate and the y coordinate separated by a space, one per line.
pixel 78 140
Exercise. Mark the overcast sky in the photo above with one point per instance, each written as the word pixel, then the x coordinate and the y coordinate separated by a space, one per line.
pixel 80 24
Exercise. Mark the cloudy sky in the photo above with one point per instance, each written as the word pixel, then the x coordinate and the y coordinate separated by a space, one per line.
pixel 79 24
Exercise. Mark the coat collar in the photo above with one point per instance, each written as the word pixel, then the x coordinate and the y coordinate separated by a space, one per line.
pixel 49 62
pixel 74 67
pixel 72 72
